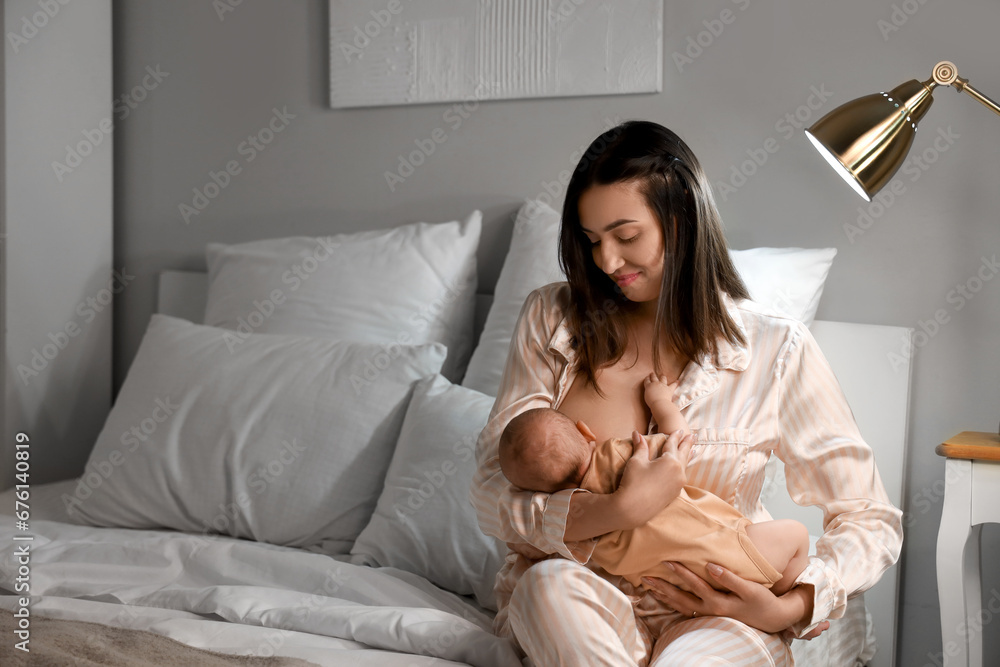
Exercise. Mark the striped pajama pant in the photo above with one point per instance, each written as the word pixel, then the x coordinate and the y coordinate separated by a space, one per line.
pixel 562 613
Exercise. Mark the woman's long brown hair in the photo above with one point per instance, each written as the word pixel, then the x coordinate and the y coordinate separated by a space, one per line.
pixel 690 314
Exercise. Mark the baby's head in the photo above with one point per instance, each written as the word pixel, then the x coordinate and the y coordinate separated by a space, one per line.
pixel 543 450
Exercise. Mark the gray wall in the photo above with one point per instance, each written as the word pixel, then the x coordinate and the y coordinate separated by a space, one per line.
pixel 325 174
pixel 57 254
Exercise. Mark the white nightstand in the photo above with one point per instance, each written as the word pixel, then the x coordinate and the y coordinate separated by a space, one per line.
pixel 971 498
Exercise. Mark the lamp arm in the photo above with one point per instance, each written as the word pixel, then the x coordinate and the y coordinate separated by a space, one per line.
pixel 946 74
pixel 978 95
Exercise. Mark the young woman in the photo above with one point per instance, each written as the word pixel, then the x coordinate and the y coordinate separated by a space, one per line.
pixel 650 288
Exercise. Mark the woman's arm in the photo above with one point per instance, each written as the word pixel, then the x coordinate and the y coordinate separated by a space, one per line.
pixel 564 522
pixel 828 463
pixel 530 378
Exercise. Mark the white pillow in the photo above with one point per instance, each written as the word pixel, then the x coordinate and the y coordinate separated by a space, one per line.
pixel 424 522
pixel 409 285
pixel 787 281
pixel 275 438
pixel 531 262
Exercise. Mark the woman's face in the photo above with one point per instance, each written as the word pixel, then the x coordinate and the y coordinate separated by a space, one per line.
pixel 626 238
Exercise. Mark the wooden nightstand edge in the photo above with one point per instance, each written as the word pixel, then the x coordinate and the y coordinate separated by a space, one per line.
pixel 975 445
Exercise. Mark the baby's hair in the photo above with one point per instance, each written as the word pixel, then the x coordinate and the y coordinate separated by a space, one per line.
pixel 521 448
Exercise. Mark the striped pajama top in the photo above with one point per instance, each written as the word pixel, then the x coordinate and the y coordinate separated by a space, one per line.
pixel 777 394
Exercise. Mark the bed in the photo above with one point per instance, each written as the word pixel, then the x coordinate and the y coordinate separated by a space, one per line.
pixel 285 470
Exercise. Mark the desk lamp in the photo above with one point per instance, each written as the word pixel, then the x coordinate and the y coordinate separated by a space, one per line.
pixel 866 142
pixel 867 139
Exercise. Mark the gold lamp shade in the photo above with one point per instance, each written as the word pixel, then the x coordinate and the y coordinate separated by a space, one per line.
pixel 867 139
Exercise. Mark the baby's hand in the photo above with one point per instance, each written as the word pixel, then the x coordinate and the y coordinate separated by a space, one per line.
pixel 659 396
pixel 657 392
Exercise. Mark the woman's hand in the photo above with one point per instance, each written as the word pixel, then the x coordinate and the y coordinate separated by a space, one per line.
pixel 648 485
pixel 743 600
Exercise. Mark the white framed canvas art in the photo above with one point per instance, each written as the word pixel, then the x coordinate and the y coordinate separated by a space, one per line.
pixel 391 52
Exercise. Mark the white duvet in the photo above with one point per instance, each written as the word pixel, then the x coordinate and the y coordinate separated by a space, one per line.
pixel 242 597
pixel 249 598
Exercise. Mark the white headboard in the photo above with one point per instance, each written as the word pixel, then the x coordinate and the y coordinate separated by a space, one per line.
pixel 859 354
pixel 879 396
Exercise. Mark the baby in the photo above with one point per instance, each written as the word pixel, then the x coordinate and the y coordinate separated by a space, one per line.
pixel 543 450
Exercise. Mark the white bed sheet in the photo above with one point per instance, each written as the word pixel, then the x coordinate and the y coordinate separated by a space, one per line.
pixel 242 597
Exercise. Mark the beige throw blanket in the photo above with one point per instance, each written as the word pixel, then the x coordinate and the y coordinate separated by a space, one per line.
pixel 58 643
